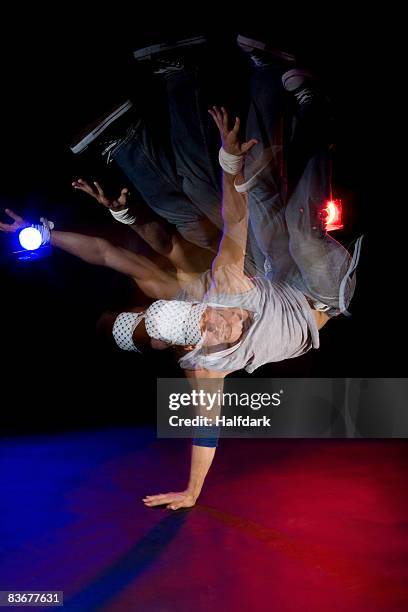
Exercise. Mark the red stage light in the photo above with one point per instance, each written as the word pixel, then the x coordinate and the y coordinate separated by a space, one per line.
pixel 333 215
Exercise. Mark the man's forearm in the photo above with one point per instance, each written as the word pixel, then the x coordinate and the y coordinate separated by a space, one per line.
pixel 211 384
pixel 234 204
pixel 88 248
pixel 201 460
pixel 235 216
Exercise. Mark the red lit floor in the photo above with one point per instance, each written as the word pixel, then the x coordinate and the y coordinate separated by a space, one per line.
pixel 282 525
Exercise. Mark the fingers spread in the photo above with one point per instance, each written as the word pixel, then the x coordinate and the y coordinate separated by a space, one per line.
pixel 172 501
pixel 13 215
pixel 158 500
pixel 123 196
pixel 214 115
pixel 99 189
pixel 224 119
pixel 84 186
pixel 247 146
pixel 237 125
pixel 5 227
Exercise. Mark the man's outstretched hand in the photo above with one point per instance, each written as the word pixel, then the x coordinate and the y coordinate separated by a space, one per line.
pixel 172 501
pixel 230 137
pixel 18 222
pixel 97 192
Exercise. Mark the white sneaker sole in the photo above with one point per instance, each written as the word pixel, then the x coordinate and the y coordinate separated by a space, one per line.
pixel 146 52
pixel 96 132
pixel 249 44
pixel 293 79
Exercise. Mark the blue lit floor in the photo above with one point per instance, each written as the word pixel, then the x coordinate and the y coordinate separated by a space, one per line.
pixel 281 524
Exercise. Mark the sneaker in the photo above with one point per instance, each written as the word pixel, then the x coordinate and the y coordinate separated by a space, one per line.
pixel 166 59
pixel 306 89
pixel 148 53
pixel 261 53
pixel 94 131
pixel 304 96
pixel 165 66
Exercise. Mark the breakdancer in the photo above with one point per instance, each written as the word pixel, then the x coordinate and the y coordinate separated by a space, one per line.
pixel 220 321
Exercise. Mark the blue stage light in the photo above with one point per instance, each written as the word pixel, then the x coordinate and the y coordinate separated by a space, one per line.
pixel 30 238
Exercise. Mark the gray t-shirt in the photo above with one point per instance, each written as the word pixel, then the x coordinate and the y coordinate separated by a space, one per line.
pixel 282 325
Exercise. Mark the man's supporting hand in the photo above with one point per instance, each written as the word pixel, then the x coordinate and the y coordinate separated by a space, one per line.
pixel 201 460
pixel 97 192
pixel 173 501
pixel 201 456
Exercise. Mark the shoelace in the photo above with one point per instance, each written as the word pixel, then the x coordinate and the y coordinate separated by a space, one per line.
pixel 110 145
pixel 107 151
pixel 258 60
pixel 165 66
pixel 304 96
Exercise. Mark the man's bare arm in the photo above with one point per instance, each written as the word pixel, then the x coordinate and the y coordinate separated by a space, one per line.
pixel 232 249
pixel 163 239
pixel 201 456
pixel 153 281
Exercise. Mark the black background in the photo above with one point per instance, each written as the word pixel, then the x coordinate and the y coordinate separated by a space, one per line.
pixel 59 68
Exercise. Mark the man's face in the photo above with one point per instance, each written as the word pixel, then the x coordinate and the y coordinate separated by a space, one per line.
pixel 222 325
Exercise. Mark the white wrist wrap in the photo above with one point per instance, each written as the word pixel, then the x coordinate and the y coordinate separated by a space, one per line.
pixel 123 216
pixel 231 164
pixel 44 229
